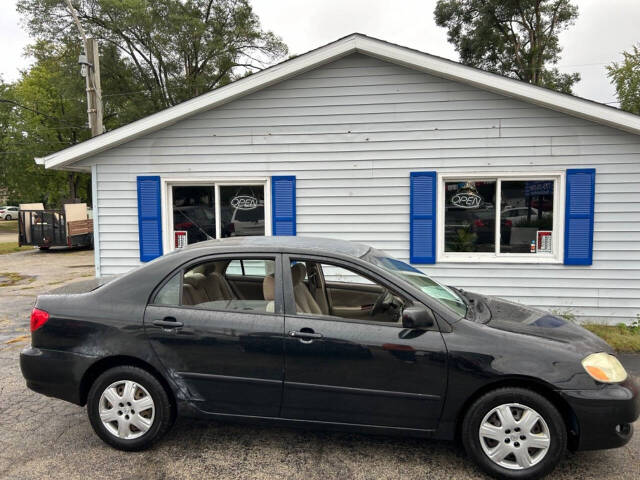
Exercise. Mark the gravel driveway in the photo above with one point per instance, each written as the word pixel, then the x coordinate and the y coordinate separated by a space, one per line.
pixel 47 438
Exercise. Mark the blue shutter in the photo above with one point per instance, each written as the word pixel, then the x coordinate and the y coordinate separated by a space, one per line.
pixel 578 223
pixel 423 217
pixel 149 218
pixel 283 205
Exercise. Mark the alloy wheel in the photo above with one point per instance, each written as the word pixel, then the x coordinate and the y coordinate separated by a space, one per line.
pixel 126 409
pixel 514 436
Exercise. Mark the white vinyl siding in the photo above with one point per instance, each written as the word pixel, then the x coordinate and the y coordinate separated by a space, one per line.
pixel 352 131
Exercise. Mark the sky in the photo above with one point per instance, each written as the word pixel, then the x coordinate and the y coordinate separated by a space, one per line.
pixel 603 30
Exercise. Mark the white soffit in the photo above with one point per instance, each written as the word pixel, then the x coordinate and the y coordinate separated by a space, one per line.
pixel 414 59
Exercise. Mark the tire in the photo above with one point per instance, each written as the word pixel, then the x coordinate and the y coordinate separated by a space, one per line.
pixel 7 217
pixel 129 387
pixel 545 440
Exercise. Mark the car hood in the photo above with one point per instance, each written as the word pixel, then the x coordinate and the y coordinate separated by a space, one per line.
pixel 517 318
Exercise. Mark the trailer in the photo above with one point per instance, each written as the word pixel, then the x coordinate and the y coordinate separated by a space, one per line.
pixel 45 228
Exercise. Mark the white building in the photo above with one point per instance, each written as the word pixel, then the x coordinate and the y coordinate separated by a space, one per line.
pixel 414 154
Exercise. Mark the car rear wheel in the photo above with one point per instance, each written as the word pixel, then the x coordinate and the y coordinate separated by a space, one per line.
pixel 514 433
pixel 8 217
pixel 128 408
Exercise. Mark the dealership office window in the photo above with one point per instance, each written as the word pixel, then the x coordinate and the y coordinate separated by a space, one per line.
pixel 500 216
pixel 205 212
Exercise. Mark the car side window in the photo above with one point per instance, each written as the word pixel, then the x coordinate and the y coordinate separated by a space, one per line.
pixel 169 294
pixel 208 286
pixel 250 267
pixel 327 289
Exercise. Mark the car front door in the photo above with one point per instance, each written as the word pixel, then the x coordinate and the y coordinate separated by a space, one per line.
pixel 226 352
pixel 349 369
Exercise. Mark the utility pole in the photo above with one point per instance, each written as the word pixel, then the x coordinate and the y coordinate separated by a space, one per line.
pixel 90 69
pixel 94 91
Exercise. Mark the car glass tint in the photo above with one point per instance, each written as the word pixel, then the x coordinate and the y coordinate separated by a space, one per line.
pixel 169 294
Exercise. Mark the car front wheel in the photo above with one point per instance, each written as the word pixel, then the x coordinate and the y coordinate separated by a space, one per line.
pixel 514 433
pixel 128 408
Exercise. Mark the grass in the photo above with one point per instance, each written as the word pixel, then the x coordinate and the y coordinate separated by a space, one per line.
pixel 10 226
pixel 623 338
pixel 12 247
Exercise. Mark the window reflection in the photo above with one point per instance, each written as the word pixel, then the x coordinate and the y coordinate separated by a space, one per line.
pixel 194 212
pixel 527 213
pixel 242 210
pixel 470 216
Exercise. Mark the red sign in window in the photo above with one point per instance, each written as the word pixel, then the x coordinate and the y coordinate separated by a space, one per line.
pixel 180 238
pixel 545 241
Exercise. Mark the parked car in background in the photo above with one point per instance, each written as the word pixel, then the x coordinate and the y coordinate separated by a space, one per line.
pixel 247 222
pixel 305 331
pixel 518 215
pixel 8 213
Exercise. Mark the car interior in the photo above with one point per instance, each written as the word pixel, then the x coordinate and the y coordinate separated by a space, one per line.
pixel 319 289
pixel 239 284
pixel 324 289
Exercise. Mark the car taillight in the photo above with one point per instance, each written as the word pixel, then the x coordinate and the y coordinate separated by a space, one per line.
pixel 38 318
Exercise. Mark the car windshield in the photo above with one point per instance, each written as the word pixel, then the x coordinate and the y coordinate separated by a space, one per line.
pixel 438 292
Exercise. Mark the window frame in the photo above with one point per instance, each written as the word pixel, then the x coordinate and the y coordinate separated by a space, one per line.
pixel 166 193
pixel 558 178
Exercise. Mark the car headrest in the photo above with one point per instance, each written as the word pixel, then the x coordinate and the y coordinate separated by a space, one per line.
pixel 268 288
pixel 194 279
pixel 298 272
pixel 216 267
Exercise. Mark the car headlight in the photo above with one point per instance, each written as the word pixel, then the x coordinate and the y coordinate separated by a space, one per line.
pixel 604 368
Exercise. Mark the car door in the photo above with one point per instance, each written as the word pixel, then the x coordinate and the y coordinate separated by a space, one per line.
pixel 356 371
pixel 226 353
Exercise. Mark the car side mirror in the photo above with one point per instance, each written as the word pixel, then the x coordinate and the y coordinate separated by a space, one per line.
pixel 417 317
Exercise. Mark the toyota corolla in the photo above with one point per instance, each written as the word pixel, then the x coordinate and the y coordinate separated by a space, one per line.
pixel 314 332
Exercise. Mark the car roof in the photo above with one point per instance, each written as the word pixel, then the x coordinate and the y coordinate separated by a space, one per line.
pixel 284 243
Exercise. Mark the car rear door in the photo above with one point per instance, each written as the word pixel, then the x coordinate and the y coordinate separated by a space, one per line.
pixel 355 371
pixel 227 354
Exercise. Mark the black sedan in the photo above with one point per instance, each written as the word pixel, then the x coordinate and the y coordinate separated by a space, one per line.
pixel 327 333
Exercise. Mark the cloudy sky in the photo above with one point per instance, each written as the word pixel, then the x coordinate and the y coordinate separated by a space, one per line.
pixel 603 30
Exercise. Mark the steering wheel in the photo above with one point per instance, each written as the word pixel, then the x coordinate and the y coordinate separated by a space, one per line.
pixel 382 301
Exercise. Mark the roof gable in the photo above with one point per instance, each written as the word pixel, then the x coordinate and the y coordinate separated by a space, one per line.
pixel 403 56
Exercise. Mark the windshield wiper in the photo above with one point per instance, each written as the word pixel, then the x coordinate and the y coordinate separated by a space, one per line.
pixel 471 308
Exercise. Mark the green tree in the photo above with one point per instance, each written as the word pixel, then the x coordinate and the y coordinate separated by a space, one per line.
pixel 514 38
pixel 45 111
pixel 626 78
pixel 44 114
pixel 153 54
pixel 178 49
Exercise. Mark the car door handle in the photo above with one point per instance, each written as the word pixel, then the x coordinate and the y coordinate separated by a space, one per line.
pixel 167 322
pixel 305 335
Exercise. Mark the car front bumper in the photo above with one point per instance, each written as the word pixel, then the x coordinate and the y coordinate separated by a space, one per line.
pixel 55 373
pixel 605 416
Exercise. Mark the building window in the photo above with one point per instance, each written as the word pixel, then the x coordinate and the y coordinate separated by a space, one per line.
pixel 502 216
pixel 205 211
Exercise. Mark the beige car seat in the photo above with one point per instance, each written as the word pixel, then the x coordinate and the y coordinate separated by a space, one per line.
pixel 218 286
pixel 194 289
pixel 268 291
pixel 305 303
